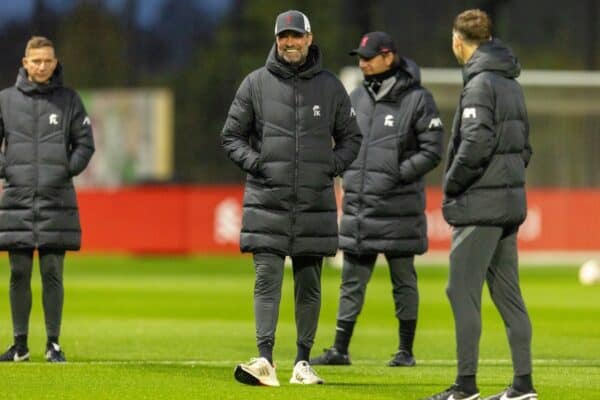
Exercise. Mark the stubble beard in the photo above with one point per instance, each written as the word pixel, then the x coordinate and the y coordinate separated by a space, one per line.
pixel 293 61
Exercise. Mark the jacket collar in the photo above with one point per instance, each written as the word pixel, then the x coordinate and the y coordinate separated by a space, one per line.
pixel 310 68
pixel 26 86
pixel 492 56
pixel 408 75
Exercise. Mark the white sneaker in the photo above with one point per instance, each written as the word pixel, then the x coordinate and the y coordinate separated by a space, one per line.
pixel 303 374
pixel 258 371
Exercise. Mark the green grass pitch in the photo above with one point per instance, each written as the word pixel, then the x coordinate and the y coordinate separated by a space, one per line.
pixel 174 328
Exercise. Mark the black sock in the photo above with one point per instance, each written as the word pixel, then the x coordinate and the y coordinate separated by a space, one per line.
pixel 406 331
pixel 303 353
pixel 266 351
pixel 343 334
pixel 522 383
pixel 51 339
pixel 466 383
pixel 21 343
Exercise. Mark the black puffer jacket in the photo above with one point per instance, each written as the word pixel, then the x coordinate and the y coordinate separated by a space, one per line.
pixel 384 198
pixel 47 140
pixel 280 129
pixel 484 182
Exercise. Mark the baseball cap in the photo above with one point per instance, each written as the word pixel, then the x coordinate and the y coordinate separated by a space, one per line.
pixel 292 20
pixel 374 43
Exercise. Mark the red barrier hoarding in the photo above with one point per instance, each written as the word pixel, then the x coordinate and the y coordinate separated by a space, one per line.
pixel 206 219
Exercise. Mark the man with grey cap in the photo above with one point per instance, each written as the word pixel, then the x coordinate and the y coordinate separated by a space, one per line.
pixel 291 127
pixel 384 196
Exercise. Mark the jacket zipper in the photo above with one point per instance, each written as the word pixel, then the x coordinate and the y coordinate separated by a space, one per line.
pixel 361 203
pixel 296 155
pixel 36 171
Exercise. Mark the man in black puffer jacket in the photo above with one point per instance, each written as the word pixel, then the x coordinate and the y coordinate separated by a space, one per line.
pixel 280 130
pixel 384 196
pixel 47 138
pixel 484 201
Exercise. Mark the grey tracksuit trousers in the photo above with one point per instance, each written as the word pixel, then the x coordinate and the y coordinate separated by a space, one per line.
pixel 51 270
pixel 267 295
pixel 487 253
pixel 356 273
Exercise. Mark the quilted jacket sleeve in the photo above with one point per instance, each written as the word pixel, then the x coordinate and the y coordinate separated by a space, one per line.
pixel 429 132
pixel 235 136
pixel 81 139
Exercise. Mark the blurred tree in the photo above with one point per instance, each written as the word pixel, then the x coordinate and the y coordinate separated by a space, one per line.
pixel 184 26
pixel 44 21
pixel 92 48
pixel 591 34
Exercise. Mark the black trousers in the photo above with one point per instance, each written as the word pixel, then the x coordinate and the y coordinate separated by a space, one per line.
pixel 51 270
pixel 267 296
pixel 356 274
pixel 487 254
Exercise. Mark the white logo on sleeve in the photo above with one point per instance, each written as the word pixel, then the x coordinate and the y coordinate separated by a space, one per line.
pixel 316 111
pixel 389 120
pixel 86 121
pixel 435 123
pixel 53 119
pixel 469 112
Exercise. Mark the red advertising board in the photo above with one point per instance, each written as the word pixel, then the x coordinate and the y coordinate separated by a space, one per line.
pixel 206 219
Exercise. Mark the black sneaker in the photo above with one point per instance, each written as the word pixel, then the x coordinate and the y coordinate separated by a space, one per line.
pixel 54 353
pixel 402 359
pixel 513 394
pixel 12 354
pixel 331 357
pixel 454 393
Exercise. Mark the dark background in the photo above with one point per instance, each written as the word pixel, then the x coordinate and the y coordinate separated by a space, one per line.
pixel 201 50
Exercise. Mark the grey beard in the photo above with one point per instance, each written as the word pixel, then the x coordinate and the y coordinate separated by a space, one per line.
pixel 298 63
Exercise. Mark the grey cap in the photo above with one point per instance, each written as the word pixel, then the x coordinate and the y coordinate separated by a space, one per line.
pixel 292 20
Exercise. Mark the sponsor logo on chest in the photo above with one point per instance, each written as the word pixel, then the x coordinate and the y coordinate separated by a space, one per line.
pixel 53 119
pixel 389 120
pixel 316 111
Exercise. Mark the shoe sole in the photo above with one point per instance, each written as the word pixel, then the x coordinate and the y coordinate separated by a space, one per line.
pixel 297 382
pixel 401 365
pixel 56 360
pixel 24 358
pixel 340 364
pixel 528 396
pixel 245 377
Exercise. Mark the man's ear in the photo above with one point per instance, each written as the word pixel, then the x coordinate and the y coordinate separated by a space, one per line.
pixel 389 59
pixel 310 38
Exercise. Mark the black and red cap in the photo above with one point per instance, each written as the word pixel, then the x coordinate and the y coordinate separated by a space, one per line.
pixel 374 43
pixel 292 20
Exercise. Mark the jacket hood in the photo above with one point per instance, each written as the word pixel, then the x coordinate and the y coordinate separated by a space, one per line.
pixel 26 86
pixel 310 68
pixel 493 56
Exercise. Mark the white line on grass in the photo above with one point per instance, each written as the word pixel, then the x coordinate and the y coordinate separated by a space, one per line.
pixel 542 362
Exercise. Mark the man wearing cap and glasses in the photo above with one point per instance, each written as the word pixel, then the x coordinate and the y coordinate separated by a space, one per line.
pixel 384 197
pixel 280 129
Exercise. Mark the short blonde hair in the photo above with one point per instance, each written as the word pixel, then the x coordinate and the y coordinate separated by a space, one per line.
pixel 473 26
pixel 37 42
